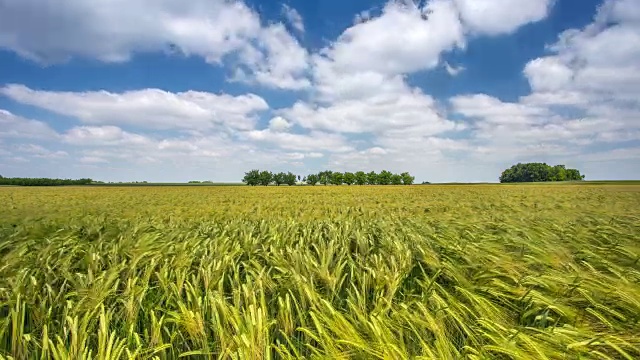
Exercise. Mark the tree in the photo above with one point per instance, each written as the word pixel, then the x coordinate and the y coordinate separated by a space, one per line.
pixel 312 179
pixel 325 177
pixel 290 179
pixel 407 179
pixel 574 175
pixel 279 178
pixel 361 178
pixel 372 178
pixel 349 178
pixel 266 177
pixel 337 178
pixel 396 179
pixel 252 178
pixel 384 178
pixel 539 172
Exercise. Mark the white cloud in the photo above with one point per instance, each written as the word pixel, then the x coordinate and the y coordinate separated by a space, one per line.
pixel 149 108
pixel 277 61
pixel 493 17
pixel 381 114
pixel 115 30
pixel 279 123
pixel 39 151
pixel 600 62
pixel 103 135
pixel 314 141
pixel 404 38
pixel 453 70
pixel 18 127
pixel 293 17
pixel 93 160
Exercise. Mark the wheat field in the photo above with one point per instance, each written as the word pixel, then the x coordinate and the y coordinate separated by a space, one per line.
pixel 411 272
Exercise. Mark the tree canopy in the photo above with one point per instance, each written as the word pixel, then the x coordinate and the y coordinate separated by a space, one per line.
pixel 43 181
pixel 327 177
pixel 539 172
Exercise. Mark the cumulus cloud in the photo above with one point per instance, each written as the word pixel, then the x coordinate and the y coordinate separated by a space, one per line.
pixel 293 17
pixel 314 141
pixel 19 127
pixel 115 30
pixel 147 108
pixel 279 123
pixel 493 17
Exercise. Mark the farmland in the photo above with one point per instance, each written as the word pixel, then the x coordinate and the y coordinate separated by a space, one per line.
pixel 433 272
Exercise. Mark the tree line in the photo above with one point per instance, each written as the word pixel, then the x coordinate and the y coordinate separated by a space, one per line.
pixel 43 181
pixel 539 172
pixel 327 177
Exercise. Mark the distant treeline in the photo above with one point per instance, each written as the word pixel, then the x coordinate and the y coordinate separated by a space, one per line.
pixel 43 181
pixel 539 172
pixel 257 177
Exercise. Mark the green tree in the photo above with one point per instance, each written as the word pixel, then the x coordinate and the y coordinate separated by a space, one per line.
pixel 337 178
pixel 312 179
pixel 538 172
pixel 384 178
pixel 349 178
pixel 361 178
pixel 252 178
pixel 407 179
pixel 290 179
pixel 266 177
pixel 372 178
pixel 325 177
pixel 279 178
pixel 396 179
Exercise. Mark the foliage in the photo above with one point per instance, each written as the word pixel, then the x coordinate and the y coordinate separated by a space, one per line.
pixel 384 178
pixel 312 179
pixel 337 178
pixel 360 178
pixel 265 178
pixel 252 178
pixel 43 181
pixel 539 172
pixel 396 179
pixel 349 178
pixel 407 179
pixel 290 178
pixel 279 178
pixel 431 272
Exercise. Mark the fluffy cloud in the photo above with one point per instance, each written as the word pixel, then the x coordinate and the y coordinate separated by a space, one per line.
pixel 18 127
pixel 404 38
pixel 600 62
pixel 493 17
pixel 279 123
pixel 277 61
pixel 115 30
pixel 314 141
pixel 148 108
pixel 293 17
pixel 402 113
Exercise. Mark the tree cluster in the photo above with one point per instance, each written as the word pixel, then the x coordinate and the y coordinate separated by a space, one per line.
pixel 257 177
pixel 539 172
pixel 42 181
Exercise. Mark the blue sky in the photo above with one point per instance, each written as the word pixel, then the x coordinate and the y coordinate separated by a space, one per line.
pixel 449 90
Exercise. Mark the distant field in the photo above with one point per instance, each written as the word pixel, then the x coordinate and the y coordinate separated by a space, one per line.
pixel 550 271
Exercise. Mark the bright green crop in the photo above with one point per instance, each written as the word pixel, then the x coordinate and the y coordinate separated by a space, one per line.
pixel 429 272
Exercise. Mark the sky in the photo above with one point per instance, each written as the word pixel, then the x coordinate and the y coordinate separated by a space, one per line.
pixel 448 90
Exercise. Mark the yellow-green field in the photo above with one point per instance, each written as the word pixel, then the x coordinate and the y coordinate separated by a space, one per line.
pixel 431 272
